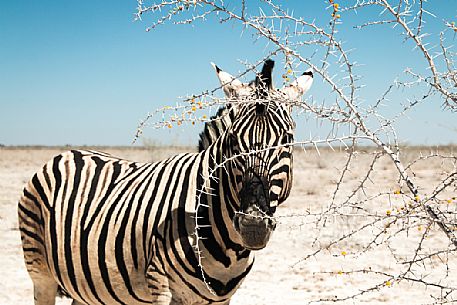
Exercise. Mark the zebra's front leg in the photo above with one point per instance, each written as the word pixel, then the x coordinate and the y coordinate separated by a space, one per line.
pixel 158 286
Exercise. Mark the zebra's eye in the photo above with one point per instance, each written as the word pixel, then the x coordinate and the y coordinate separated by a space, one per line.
pixel 287 138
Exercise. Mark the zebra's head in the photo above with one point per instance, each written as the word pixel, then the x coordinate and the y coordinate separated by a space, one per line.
pixel 258 144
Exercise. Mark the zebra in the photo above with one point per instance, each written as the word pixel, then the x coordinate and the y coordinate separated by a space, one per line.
pixel 105 230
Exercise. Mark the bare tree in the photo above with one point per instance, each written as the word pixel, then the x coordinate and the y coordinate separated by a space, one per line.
pixel 422 211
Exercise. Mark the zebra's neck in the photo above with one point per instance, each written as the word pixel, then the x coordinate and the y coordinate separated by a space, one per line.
pixel 223 261
pixel 218 204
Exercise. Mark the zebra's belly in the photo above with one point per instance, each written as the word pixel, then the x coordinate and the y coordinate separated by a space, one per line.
pixel 97 266
pixel 112 287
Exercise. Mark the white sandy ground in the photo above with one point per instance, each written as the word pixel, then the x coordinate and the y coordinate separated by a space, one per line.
pixel 278 276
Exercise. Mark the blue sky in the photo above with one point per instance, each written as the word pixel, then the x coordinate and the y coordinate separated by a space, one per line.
pixel 86 73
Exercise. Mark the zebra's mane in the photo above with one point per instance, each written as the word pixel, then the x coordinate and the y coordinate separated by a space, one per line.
pixel 215 127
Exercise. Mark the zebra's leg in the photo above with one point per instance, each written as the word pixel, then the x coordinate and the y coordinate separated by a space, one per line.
pixel 44 285
pixel 158 286
pixel 44 290
pixel 31 226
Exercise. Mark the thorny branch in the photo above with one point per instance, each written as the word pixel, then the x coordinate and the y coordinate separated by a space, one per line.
pixel 354 123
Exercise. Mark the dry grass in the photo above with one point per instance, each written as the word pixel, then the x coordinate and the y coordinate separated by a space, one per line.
pixel 276 278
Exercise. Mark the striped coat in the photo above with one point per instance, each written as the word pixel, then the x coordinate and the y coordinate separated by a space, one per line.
pixel 180 231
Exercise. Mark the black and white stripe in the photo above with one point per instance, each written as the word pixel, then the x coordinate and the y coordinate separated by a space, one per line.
pixel 110 231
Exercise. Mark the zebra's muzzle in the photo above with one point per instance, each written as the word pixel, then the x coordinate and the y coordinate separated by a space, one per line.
pixel 255 222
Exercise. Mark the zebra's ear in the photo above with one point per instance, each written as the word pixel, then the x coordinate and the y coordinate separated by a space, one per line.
pixel 232 87
pixel 299 86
